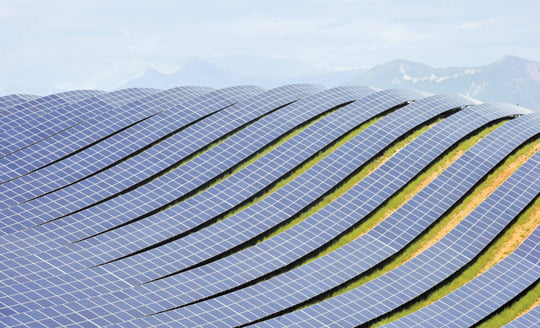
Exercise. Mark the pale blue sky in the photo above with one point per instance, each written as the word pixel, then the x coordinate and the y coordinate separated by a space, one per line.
pixel 100 44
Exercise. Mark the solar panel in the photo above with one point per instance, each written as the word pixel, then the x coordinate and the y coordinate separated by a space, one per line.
pixel 156 159
pixel 118 123
pixel 59 122
pixel 483 295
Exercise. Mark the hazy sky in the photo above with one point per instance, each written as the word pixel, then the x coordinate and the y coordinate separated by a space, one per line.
pixel 75 44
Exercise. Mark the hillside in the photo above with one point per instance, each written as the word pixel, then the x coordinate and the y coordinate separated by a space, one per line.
pixel 297 206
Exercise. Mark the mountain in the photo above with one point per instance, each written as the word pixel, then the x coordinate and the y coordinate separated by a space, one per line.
pixel 510 79
pixel 196 71
pixel 226 71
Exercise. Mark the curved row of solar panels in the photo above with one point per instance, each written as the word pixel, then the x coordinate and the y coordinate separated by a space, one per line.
pixel 194 207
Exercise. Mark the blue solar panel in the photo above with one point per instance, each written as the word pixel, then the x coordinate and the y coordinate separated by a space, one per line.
pixel 483 295
pixel 89 132
pixel 155 159
pixel 60 124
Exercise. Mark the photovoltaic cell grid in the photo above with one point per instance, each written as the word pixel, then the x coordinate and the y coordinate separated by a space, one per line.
pixel 483 295
pixel 212 202
pixel 172 287
pixel 54 296
pixel 83 122
pixel 122 144
pixel 398 102
pixel 301 284
pixel 155 159
pixel 344 93
pixel 34 270
pixel 84 134
pixel 427 269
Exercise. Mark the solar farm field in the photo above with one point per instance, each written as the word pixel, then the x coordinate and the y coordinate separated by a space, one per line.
pixel 298 206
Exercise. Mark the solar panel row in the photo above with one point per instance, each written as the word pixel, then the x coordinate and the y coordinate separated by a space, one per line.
pixel 429 102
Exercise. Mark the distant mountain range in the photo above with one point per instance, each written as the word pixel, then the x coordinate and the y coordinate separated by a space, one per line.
pixel 510 79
